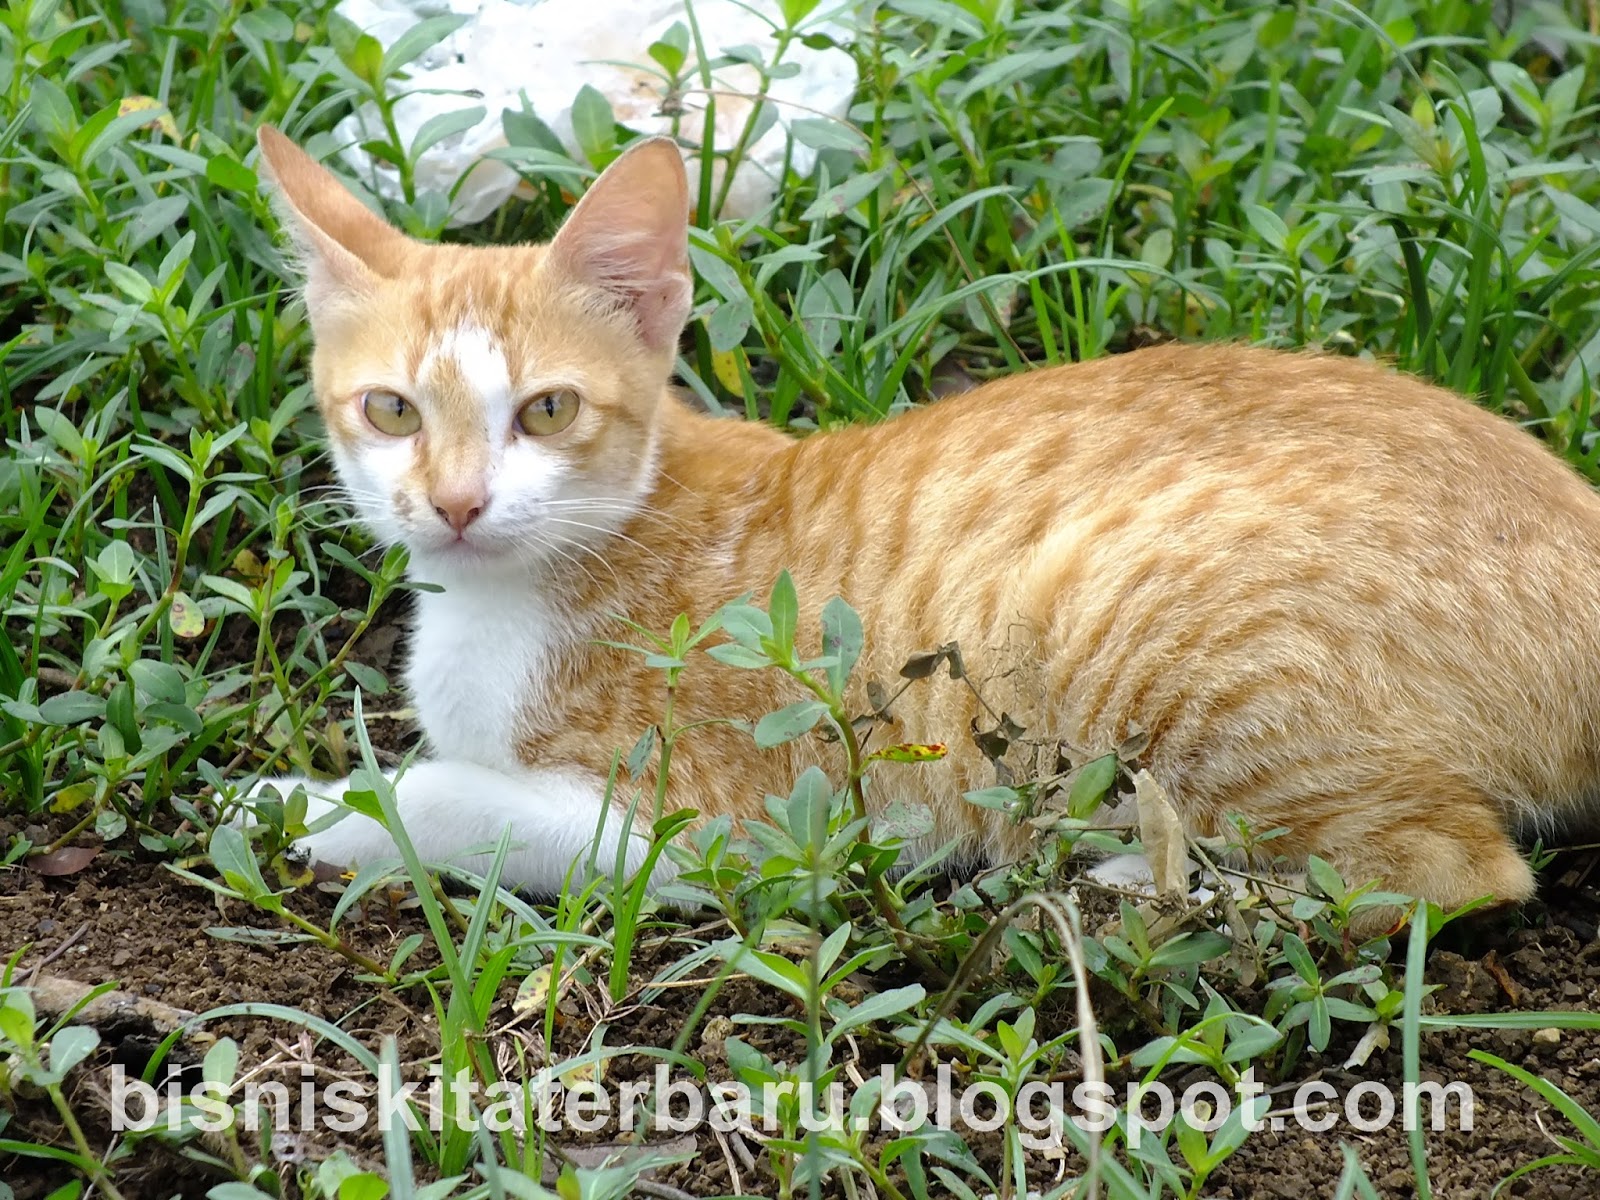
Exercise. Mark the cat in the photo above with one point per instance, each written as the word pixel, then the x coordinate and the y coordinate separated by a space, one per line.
pixel 1340 601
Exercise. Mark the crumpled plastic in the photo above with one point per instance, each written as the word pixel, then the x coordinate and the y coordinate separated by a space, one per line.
pixel 545 51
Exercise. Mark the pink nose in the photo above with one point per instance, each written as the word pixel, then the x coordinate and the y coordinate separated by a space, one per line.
pixel 459 509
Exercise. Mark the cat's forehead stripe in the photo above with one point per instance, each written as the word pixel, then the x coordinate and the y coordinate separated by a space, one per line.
pixel 473 357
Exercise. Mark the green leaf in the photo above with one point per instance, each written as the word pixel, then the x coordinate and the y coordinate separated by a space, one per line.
pixel 994 797
pixel 365 60
pixel 221 1063
pixel 837 201
pixel 236 862
pixel 1326 879
pixel 121 715
pixel 129 282
pixel 1090 786
pixel 1346 1010
pixel 788 723
pixel 114 565
pixel 445 125
pixel 17 1018
pixel 1251 1042
pixel 369 679
pixel 734 655
pixel 775 971
pixel 524 129
pixel 232 590
pixel 671 50
pixel 152 219
pixel 729 322
pixel 1157 248
pixel 747 625
pixel 58 427
pixel 1320 1029
pixel 228 173
pixel 823 134
pixel 267 24
pixel 879 1007
pixel 70 1046
pixel 157 680
pixel 1191 948
pixel 366 802
pixel 842 638
pixel 420 38
pixel 234 1190
pixel 784 609
pixel 71 708
pixel 1191 1142
pixel 1299 958
pixel 594 126
pixel 639 756
pixel 1268 225
pixel 365 1186
pixel 1236 1129
pixel 796 11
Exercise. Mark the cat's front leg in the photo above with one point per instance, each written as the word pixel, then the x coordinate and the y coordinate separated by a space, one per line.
pixel 448 806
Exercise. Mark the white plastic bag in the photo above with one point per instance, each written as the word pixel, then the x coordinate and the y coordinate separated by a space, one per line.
pixel 547 50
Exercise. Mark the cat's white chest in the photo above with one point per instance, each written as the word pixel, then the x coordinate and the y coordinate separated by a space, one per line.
pixel 481 653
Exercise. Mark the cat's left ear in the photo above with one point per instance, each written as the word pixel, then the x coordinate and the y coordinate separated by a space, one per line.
pixel 630 235
pixel 344 246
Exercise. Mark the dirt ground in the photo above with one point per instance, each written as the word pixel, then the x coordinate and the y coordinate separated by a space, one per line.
pixel 134 923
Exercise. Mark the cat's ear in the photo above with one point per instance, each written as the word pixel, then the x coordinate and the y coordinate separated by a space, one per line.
pixel 344 247
pixel 630 235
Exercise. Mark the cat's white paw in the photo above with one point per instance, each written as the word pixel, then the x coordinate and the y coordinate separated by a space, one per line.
pixel 1132 873
pixel 321 800
pixel 455 812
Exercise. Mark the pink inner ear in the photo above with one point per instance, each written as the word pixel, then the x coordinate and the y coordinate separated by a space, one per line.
pixel 630 236
pixel 647 272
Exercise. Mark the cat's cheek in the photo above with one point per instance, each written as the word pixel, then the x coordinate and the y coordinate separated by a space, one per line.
pixel 379 480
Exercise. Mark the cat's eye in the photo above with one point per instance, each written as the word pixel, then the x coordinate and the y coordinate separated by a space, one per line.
pixel 548 413
pixel 391 413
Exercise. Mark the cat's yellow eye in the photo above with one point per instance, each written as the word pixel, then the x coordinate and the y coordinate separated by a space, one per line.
pixel 391 413
pixel 549 413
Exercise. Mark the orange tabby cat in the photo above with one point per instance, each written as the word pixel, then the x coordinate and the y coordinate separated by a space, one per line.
pixel 1339 600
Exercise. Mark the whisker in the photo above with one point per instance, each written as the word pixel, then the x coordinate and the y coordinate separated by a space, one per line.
pixel 620 536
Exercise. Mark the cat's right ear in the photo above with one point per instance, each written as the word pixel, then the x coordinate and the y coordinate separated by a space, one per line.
pixel 630 236
pixel 344 247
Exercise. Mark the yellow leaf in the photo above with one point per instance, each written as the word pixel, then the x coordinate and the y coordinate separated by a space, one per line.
pixel 159 116
pixel 725 364
pixel 909 752
pixel 71 796
pixel 534 992
pixel 249 566
pixel 184 616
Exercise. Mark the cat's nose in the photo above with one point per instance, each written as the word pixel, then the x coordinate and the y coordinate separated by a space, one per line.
pixel 458 509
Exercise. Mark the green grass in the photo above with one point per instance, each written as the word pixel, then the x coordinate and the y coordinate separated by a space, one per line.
pixel 1014 185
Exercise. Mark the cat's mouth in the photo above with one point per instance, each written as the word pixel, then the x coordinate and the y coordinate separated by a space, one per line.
pixel 464 547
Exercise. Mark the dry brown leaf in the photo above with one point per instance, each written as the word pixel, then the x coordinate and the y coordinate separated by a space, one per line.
pixel 1161 831
pixel 69 860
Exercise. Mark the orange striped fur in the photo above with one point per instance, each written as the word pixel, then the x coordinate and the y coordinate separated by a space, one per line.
pixel 1340 600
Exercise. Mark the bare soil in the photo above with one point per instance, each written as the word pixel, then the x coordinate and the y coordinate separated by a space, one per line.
pixel 129 921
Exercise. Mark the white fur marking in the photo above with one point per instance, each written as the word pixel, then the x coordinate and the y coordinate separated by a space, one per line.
pixel 480 360
pixel 448 807
pixel 480 660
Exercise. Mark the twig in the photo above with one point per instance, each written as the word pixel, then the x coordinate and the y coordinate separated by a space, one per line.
pixel 57 952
